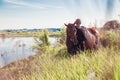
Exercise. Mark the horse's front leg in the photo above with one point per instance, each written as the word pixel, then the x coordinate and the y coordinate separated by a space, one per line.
pixel 74 49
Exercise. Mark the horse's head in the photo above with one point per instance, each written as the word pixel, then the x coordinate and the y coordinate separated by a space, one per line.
pixel 71 33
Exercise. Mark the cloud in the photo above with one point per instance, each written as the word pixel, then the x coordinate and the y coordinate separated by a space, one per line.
pixel 22 3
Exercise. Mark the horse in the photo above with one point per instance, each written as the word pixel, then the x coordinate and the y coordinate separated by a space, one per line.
pixel 71 38
pixel 92 38
pixel 96 33
pixel 88 38
pixel 81 39
pixel 75 39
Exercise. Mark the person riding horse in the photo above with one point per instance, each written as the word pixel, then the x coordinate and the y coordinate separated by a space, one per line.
pixel 77 24
pixel 80 35
pixel 80 38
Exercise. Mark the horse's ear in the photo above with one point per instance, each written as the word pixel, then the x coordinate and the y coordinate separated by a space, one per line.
pixel 95 27
pixel 65 24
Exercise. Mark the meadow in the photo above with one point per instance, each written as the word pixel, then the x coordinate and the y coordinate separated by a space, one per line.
pixel 54 63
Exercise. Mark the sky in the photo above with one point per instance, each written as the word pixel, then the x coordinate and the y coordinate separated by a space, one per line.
pixel 19 14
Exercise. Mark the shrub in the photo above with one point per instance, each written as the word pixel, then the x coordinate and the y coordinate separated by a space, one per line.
pixel 41 41
pixel 62 36
pixel 110 39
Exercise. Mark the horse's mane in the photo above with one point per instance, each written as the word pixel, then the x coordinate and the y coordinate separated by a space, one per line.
pixel 80 35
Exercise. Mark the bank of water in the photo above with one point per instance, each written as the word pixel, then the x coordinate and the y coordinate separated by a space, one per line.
pixel 13 49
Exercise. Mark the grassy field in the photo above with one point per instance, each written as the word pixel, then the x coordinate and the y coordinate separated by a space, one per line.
pixel 27 34
pixel 54 63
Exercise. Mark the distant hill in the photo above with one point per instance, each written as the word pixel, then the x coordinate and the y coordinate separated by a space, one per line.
pixel 32 30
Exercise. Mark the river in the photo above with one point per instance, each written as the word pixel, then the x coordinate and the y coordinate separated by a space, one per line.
pixel 13 49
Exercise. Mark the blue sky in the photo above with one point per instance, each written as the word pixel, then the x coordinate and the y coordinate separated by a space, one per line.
pixel 16 14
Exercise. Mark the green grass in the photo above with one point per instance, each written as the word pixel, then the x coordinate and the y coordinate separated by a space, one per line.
pixel 54 63
pixel 30 34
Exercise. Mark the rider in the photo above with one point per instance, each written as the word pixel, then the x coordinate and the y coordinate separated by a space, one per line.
pixel 77 24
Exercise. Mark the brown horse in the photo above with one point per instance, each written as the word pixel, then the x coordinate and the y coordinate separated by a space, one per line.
pixel 71 39
pixel 96 33
pixel 81 38
pixel 92 38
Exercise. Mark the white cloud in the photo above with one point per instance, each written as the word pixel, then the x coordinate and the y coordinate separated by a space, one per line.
pixel 22 3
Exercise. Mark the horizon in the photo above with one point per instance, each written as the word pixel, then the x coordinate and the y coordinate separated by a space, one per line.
pixel 19 14
pixel 30 28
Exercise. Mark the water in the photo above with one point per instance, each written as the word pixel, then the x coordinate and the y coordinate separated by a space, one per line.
pixel 13 49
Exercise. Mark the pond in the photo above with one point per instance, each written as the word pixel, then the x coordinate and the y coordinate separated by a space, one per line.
pixel 13 49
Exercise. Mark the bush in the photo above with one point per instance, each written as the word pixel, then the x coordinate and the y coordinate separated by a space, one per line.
pixel 110 39
pixel 42 41
pixel 62 36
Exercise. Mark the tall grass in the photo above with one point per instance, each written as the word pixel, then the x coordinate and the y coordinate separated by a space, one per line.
pixel 56 64
pixel 117 71
pixel 41 40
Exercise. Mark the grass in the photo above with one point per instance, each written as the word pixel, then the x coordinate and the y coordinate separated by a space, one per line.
pixel 28 34
pixel 117 71
pixel 54 63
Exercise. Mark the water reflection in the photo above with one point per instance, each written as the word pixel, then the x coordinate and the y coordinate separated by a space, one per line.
pixel 12 49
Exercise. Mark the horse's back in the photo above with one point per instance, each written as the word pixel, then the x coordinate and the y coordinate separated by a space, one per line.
pixel 92 38
pixel 96 33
